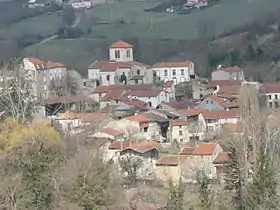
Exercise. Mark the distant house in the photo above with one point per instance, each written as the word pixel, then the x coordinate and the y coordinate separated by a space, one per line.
pixel 179 130
pixel 228 73
pixel 272 91
pixel 110 133
pixel 120 68
pixel 80 4
pixel 174 71
pixel 218 102
pixel 37 4
pixel 48 77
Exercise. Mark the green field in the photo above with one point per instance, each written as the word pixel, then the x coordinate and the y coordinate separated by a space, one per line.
pixel 223 17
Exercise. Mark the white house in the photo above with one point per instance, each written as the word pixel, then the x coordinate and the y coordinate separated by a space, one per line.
pixel 228 73
pixel 179 130
pixel 174 71
pixel 120 68
pixel 272 91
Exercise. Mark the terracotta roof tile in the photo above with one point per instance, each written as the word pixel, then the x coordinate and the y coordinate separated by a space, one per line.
pixel 224 101
pixel 170 160
pixel 138 118
pixel 190 112
pixel 172 64
pixel 36 61
pixel 204 148
pixel 180 104
pixel 112 131
pixel 143 147
pixel 145 93
pixel 230 69
pixel 121 44
pixel 221 158
pixel 122 144
pixel 229 89
pixel 111 94
pixel 105 66
pixel 54 64
pixel 221 83
pixel 106 88
pixel 187 150
pixel 272 87
pixel 179 122
pixel 221 114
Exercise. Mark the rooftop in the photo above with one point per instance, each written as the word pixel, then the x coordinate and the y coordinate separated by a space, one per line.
pixel 179 122
pixel 204 148
pixel 190 112
pixel 95 116
pixel 221 158
pixel 223 101
pixel 138 118
pixel 143 147
pixel 43 64
pixel 221 114
pixel 112 131
pixel 230 69
pixel 180 104
pixel 170 160
pixel 106 65
pixel 66 99
pixel 172 64
pixel 121 44
pixel 145 93
pixel 106 88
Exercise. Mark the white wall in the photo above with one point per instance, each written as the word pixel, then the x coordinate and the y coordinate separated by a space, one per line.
pixel 104 80
pixel 188 70
pixel 123 54
pixel 94 74
pixel 176 133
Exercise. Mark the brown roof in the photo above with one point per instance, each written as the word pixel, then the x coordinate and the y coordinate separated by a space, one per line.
pixel 215 83
pixel 36 61
pixel 121 44
pixel 145 93
pixel 111 94
pixel 106 88
pixel 190 112
pixel 136 102
pixel 138 118
pixel 180 104
pixel 168 84
pixel 113 65
pixel 112 131
pixel 225 103
pixel 230 69
pixel 143 147
pixel 122 144
pixel 204 148
pixel 96 116
pixel 221 114
pixel 229 89
pixel 44 64
pixel 170 160
pixel 221 158
pixel 187 150
pixel 54 64
pixel 272 87
pixel 172 64
pixel 179 122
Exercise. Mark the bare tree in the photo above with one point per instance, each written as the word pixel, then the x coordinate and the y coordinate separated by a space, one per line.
pixel 130 168
pixel 17 98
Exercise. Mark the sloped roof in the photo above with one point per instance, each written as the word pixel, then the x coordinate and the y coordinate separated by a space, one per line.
pixel 112 131
pixel 221 158
pixel 230 69
pixel 122 144
pixel 143 147
pixel 179 122
pixel 190 112
pixel 121 44
pixel 107 66
pixel 66 99
pixel 138 118
pixel 187 150
pixel 225 103
pixel 85 116
pixel 221 114
pixel 106 88
pixel 43 64
pixel 145 93
pixel 229 89
pixel 272 87
pixel 170 160
pixel 172 64
pixel 36 60
pixel 180 104
pixel 204 148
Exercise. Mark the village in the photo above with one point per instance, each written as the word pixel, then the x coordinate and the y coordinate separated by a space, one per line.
pixel 136 111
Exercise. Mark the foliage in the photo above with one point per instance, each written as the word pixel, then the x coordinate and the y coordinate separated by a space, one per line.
pixel 175 195
pixel 205 194
pixel 69 16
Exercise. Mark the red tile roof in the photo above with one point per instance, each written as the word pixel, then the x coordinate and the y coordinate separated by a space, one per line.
pixel 36 61
pixel 122 144
pixel 225 103
pixel 111 94
pixel 138 118
pixel 221 114
pixel 170 160
pixel 172 64
pixel 215 83
pixel 229 89
pixel 106 88
pixel 112 131
pixel 190 112
pixel 230 69
pixel 143 147
pixel 145 93
pixel 187 150
pixel 95 116
pixel 136 102
pixel 221 158
pixel 204 148
pixel 179 122
pixel 54 64
pixel 121 44
pixel 272 87
pixel 113 65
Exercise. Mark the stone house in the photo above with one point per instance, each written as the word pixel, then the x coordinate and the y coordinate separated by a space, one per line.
pixel 48 78
pixel 178 130
pixel 228 73
pixel 218 102
pixel 174 71
pixel 120 68
pixel 110 133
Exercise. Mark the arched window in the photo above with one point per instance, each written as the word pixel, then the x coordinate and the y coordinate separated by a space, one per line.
pixel 138 72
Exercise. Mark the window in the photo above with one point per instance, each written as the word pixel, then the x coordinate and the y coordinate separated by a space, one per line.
pixel 44 78
pixel 145 129
pixel 210 128
pixel 182 71
pixel 128 53
pixel 270 104
pixel 180 133
pixel 174 72
pixel 207 102
pixel 117 54
pixel 180 126
pixel 108 77
pixel 269 96
pixel 212 102
pixel 100 94
pixel 181 140
pixel 165 72
pixel 150 104
pixel 138 72
pixel 276 97
pixel 276 104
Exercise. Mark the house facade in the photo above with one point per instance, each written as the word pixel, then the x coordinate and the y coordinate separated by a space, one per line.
pixel 228 73
pixel 174 71
pixel 272 92
pixel 218 102
pixel 178 130
pixel 48 78
pixel 120 68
